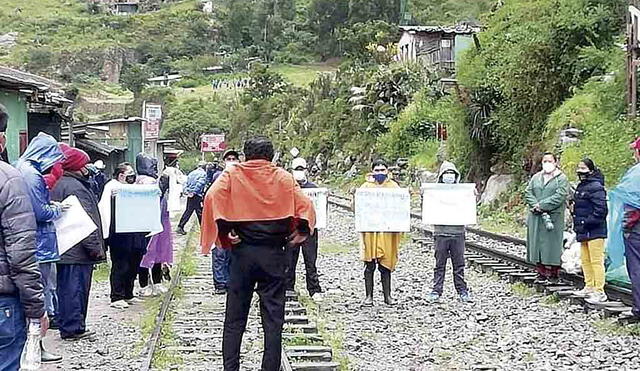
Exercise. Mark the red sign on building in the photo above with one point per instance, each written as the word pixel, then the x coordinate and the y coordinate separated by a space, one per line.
pixel 153 114
pixel 212 143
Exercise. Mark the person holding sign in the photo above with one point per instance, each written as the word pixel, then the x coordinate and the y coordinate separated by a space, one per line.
pixel 309 247
pixel 449 242
pixel 379 248
pixel 75 267
pixel 256 210
pixel 546 197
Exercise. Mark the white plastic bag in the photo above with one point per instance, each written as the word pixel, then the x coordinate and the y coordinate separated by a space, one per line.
pixel 571 260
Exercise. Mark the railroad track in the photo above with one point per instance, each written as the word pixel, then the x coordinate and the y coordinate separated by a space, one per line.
pixel 189 327
pixel 512 263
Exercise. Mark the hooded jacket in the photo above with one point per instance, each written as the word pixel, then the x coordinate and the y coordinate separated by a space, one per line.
pixel 91 249
pixel 448 230
pixel 41 154
pixel 19 274
pixel 147 169
pixel 590 209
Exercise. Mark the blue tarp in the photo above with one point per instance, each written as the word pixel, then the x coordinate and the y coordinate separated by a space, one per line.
pixel 626 193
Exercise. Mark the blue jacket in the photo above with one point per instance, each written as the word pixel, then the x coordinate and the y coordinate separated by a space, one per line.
pixel 590 209
pixel 196 182
pixel 41 154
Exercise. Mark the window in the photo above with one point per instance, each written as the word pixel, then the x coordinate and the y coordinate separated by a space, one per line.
pixel 445 43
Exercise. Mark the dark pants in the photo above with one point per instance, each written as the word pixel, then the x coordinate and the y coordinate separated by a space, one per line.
pixel 156 275
pixel 259 268
pixel 370 268
pixel 310 255
pixel 124 269
pixel 632 254
pixel 194 203
pixel 449 247
pixel 13 332
pixel 74 284
pixel 220 260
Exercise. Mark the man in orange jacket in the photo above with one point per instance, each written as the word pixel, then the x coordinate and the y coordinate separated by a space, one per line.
pixel 256 210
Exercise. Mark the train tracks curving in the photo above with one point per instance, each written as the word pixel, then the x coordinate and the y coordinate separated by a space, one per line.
pixel 506 255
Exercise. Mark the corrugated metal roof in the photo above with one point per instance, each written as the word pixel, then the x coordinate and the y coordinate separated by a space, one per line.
pixel 459 29
pixel 102 148
pixel 20 79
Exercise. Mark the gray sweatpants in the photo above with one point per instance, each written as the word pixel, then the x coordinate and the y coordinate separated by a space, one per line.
pixel 449 246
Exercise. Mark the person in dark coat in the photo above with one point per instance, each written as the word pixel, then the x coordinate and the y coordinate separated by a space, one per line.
pixel 21 290
pixel 75 267
pixel 590 225
pixel 309 247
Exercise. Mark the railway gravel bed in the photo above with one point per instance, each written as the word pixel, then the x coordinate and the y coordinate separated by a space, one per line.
pixel 505 329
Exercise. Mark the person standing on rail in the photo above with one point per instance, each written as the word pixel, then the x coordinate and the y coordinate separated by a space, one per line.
pixel 379 248
pixel 195 187
pixel 626 200
pixel 220 257
pixel 21 290
pixel 449 242
pixel 590 224
pixel 256 210
pixel 546 196
pixel 309 247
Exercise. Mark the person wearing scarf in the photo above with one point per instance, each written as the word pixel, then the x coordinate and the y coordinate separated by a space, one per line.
pixel 257 210
pixel 75 268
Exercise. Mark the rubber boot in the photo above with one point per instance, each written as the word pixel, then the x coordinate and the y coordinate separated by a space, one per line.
pixel 46 357
pixel 368 288
pixel 385 278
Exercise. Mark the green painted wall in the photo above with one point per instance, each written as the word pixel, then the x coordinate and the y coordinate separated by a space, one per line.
pixel 134 145
pixel 16 104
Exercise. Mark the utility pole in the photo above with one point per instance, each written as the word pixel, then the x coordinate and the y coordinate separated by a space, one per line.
pixel 633 57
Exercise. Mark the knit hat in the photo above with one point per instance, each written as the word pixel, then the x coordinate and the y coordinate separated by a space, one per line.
pixel 75 159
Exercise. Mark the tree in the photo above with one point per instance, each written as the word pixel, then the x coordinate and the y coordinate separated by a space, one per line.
pixel 190 118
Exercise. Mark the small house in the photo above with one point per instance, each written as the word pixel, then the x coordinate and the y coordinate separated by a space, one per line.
pixel 435 46
pixel 165 80
pixel 125 7
pixel 35 104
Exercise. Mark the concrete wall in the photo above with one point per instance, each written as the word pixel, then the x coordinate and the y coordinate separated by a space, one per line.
pixel 16 104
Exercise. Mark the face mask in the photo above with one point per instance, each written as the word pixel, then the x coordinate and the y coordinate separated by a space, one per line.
pixel 299 175
pixel 380 178
pixel 548 167
pixel 130 179
pixel 582 175
pixel 448 178
pixel 228 165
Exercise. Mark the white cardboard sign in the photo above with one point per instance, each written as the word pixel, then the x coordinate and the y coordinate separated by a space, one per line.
pixel 383 210
pixel 73 226
pixel 449 204
pixel 319 198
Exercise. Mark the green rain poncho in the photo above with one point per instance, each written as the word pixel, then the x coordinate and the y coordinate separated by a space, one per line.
pixel 543 246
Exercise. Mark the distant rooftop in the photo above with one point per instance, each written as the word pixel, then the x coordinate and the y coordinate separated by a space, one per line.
pixel 19 80
pixel 462 29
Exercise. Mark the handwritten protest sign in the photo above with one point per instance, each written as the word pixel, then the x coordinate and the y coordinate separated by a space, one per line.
pixel 319 198
pixel 138 209
pixel 448 204
pixel 73 226
pixel 383 210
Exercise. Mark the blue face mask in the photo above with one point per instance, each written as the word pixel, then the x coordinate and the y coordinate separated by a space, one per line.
pixel 380 178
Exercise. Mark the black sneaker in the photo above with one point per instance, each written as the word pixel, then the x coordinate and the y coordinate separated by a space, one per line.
pixel 220 291
pixel 84 335
pixel 53 324
pixel 181 231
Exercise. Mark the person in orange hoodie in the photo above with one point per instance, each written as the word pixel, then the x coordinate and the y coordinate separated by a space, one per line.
pixel 256 210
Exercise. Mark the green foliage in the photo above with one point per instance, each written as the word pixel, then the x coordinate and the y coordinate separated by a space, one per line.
pixel 448 11
pixel 597 109
pixel 534 53
pixel 522 290
pixel 189 118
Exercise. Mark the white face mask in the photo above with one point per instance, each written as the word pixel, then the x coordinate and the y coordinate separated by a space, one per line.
pixel 228 165
pixel 299 175
pixel 548 167
pixel 449 178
